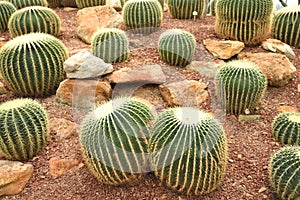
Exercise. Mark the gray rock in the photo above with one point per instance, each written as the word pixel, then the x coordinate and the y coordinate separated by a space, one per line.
pixel 277 46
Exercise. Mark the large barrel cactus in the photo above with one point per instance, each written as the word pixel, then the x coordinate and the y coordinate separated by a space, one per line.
pixel 248 21
pixel 25 3
pixel 240 85
pixel 284 173
pixel 24 129
pixel 89 3
pixel 188 150
pixel 183 9
pixel 32 64
pixel 286 25
pixel 111 45
pixel 177 47
pixel 6 10
pixel 114 140
pixel 286 128
pixel 142 16
pixel 162 3
pixel 34 19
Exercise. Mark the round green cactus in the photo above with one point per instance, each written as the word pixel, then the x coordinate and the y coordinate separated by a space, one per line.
pixel 286 128
pixel 24 129
pixel 32 64
pixel 142 16
pixel 212 7
pixel 177 47
pixel 162 3
pixel 6 10
pixel 54 3
pixel 248 21
pixel 188 150
pixel 34 19
pixel 89 3
pixel 286 25
pixel 25 3
pixel 284 173
pixel 114 141
pixel 184 9
pixel 111 45
pixel 240 85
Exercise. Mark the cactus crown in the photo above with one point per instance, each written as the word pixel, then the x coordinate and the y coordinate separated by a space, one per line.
pixel 6 10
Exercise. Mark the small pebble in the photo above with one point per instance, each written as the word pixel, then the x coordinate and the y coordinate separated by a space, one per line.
pixel 230 160
pixel 262 189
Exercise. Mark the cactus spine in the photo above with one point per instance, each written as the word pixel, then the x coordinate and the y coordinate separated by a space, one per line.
pixel 6 10
pixel 183 9
pixel 32 64
pixel 188 150
pixel 248 21
pixel 25 3
pixel 240 85
pixel 89 3
pixel 111 45
pixel 24 129
pixel 34 19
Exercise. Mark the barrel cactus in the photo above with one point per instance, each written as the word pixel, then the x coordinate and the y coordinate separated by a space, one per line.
pixel 54 3
pixel 240 85
pixel 25 3
pixel 284 173
pixel 32 64
pixel 89 3
pixel 162 3
pixel 286 25
pixel 6 10
pixel 212 7
pixel 183 9
pixel 188 150
pixel 248 21
pixel 114 139
pixel 286 128
pixel 142 16
pixel 111 45
pixel 177 47
pixel 34 19
pixel 24 129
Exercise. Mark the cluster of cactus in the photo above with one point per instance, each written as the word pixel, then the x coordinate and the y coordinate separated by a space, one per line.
pixel 89 3
pixel 162 3
pixel 32 64
pixel 111 45
pixel 177 47
pixel 248 21
pixel 184 9
pixel 240 85
pixel 286 25
pixel 24 129
pixel 284 173
pixel 54 3
pixel 286 128
pixel 212 7
pixel 142 16
pixel 188 150
pixel 114 141
pixel 6 10
pixel 34 19
pixel 25 3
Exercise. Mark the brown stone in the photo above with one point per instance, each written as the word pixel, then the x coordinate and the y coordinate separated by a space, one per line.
pixel 64 128
pixel 205 68
pixel 277 46
pixel 60 166
pixel 287 109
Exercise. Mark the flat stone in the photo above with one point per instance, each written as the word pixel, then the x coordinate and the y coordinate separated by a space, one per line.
pixel 287 109
pixel 249 118
pixel 64 128
pixel 70 9
pixel 59 166
pixel 277 46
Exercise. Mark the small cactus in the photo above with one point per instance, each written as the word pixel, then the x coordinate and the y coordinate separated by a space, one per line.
pixel 89 3
pixel 34 19
pixel 284 173
pixel 188 150
pixel 25 3
pixel 6 10
pixel 24 129
pixel 177 47
pixel 183 9
pixel 240 85
pixel 111 45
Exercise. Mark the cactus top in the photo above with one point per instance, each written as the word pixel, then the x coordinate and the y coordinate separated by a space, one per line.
pixel 294 117
pixel 190 116
pixel 16 103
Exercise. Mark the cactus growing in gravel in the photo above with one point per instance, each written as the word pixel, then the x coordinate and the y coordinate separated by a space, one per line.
pixel 32 64
pixel 183 9
pixel 240 85
pixel 111 45
pixel 284 173
pixel 188 150
pixel 176 47
pixel 6 10
pixel 25 3
pixel 248 21
pixel 162 3
pixel 89 3
pixel 286 128
pixel 114 139
pixel 142 16
pixel 24 129
pixel 34 19
pixel 286 25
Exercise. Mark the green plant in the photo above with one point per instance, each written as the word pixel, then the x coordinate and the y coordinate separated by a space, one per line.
pixel 284 173
pixel 24 129
pixel 286 128
pixel 162 3
pixel 239 86
pixel 32 64
pixel 183 9
pixel 34 19
pixel 89 3
pixel 188 150
pixel 286 25
pixel 54 3
pixel 114 140
pixel 212 7
pixel 248 21
pixel 6 10
pixel 177 47
pixel 142 16
pixel 24 3
pixel 111 45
